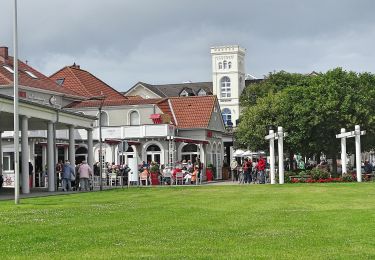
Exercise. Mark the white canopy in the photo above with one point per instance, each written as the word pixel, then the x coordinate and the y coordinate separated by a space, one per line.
pixel 238 153
pixel 247 153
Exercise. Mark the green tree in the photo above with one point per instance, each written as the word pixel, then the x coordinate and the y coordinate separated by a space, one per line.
pixel 312 109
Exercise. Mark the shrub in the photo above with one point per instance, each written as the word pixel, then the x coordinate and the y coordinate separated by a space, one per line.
pixel 347 177
pixel 317 174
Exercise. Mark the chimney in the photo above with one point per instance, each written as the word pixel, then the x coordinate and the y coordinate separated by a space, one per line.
pixel 3 53
pixel 75 66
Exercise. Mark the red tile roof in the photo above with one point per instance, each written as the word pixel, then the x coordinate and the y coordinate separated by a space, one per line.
pixel 83 82
pixel 113 102
pixel 40 82
pixel 193 112
pixel 189 112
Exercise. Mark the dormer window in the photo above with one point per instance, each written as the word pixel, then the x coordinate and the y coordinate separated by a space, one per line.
pixel 60 82
pixel 31 74
pixel 201 92
pixel 184 93
pixel 8 69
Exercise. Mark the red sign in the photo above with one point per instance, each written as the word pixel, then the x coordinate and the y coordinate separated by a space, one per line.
pixel 209 133
pixel 22 94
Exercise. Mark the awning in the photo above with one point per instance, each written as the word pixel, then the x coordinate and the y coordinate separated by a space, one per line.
pixel 190 141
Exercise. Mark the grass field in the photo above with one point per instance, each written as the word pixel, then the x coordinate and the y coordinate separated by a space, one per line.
pixel 299 221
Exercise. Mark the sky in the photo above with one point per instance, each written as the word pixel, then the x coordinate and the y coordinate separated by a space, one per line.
pixel 123 42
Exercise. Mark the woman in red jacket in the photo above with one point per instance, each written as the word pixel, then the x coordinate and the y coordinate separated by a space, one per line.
pixel 261 166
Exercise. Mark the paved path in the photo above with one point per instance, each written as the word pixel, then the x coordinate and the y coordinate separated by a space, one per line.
pixel 8 193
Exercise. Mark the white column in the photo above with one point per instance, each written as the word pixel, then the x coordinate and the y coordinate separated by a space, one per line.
pixel 32 159
pixel 343 152
pixel 50 157
pixel 56 154
pixel 66 153
pixel 357 137
pixel 280 134
pixel 44 163
pixel 90 148
pixel 113 149
pixel 203 156
pixel 1 153
pixel 72 148
pixel 25 154
pixel 272 157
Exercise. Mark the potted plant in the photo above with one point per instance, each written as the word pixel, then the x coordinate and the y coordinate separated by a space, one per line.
pixel 154 172
pixel 210 172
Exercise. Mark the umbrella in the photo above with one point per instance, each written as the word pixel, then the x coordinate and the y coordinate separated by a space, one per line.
pixel 238 153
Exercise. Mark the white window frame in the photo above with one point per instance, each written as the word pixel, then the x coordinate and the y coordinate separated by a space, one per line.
pixel 225 87
pixel 130 117
pixel 226 113
pixel 97 121
pixel 225 64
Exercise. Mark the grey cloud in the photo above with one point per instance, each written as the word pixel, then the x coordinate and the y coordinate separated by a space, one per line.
pixel 168 41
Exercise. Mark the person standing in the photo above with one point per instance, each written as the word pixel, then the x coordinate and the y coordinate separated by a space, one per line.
pixel 31 170
pixel 261 166
pixel 67 176
pixel 85 172
pixel 247 170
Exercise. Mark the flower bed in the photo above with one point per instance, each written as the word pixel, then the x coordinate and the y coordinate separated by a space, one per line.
pixel 310 180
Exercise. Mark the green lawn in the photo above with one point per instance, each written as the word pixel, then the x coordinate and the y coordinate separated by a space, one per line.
pixel 304 221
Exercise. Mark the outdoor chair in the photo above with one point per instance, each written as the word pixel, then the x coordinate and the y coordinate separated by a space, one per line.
pixel 179 178
pixel 143 176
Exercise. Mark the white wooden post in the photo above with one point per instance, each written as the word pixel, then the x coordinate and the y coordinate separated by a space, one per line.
pixel 357 135
pixel 280 136
pixel 343 153
pixel 271 137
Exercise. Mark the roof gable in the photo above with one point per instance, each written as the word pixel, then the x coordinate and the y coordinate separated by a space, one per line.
pixel 30 77
pixel 193 112
pixel 81 81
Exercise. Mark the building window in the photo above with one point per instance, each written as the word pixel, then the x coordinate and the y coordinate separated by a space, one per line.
pixel 227 116
pixel 184 93
pixel 153 154
pixel 190 152
pixel 229 65
pixel 134 118
pixel 225 64
pixel 220 65
pixel 201 92
pixel 104 119
pixel 225 87
pixel 8 161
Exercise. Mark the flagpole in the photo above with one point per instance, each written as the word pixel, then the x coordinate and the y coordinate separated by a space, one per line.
pixel 16 122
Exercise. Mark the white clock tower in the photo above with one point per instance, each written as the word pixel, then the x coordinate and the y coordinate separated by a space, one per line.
pixel 228 79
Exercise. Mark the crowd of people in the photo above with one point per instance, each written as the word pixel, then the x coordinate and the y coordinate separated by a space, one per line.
pixel 185 172
pixel 250 171
pixel 75 177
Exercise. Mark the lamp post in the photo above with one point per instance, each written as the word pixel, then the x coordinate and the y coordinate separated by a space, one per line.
pixel 101 98
pixel 16 122
pixel 229 127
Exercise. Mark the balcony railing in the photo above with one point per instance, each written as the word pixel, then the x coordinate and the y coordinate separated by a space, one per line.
pixel 120 132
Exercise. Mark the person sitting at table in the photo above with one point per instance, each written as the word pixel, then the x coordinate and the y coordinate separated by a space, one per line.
pixel 194 175
pixel 143 176
pixel 187 178
pixel 167 175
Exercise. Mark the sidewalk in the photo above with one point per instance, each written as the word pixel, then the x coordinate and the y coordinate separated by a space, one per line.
pixel 8 193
